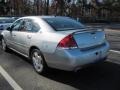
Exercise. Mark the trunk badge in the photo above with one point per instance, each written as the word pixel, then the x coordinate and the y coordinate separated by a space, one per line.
pixel 95 37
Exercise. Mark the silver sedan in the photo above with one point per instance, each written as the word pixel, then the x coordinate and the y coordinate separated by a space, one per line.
pixel 56 42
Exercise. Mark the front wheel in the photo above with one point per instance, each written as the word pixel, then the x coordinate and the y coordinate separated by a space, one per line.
pixel 38 61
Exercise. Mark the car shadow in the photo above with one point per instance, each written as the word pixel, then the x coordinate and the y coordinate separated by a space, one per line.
pixel 19 55
pixel 104 76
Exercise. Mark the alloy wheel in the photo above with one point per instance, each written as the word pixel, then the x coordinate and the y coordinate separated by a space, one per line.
pixel 37 61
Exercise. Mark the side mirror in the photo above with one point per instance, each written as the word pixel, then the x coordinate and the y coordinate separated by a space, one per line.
pixel 10 28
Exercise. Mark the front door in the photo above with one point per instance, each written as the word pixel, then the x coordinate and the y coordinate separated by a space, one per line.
pixel 23 38
pixel 11 35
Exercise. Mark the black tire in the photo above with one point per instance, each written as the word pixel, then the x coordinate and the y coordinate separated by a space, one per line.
pixel 4 45
pixel 38 61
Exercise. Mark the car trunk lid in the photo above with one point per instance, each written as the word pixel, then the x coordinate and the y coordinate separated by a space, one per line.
pixel 89 38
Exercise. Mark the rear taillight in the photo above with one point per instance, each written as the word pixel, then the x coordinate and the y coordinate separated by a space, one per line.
pixel 67 42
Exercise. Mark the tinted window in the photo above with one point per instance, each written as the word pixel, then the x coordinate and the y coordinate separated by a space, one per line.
pixel 60 24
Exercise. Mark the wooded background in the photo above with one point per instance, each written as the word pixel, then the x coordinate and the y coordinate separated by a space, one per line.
pixel 84 10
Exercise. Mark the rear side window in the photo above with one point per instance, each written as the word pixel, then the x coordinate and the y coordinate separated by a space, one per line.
pixel 35 27
pixel 61 24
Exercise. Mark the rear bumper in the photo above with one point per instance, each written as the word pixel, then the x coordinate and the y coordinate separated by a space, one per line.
pixel 89 64
pixel 73 59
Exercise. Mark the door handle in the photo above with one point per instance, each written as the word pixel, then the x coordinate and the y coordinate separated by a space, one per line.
pixel 13 35
pixel 28 36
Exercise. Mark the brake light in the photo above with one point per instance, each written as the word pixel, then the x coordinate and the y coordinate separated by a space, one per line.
pixel 67 42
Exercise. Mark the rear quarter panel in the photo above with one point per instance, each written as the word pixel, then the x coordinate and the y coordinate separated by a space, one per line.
pixel 47 41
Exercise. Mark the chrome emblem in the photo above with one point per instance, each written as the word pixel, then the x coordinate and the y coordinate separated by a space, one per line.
pixel 95 37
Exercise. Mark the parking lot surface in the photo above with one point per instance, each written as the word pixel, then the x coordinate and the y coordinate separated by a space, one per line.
pixel 103 76
pixel 4 85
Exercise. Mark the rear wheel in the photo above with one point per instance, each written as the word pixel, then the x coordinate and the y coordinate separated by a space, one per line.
pixel 4 45
pixel 38 61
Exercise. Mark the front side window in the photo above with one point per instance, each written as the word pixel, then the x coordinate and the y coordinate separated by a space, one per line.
pixel 31 26
pixel 61 24
pixel 28 25
pixel 23 26
pixel 16 26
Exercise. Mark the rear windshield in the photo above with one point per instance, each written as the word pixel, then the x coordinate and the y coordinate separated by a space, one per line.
pixel 6 20
pixel 63 24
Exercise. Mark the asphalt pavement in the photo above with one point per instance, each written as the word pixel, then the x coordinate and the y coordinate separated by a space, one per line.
pixel 4 85
pixel 103 76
